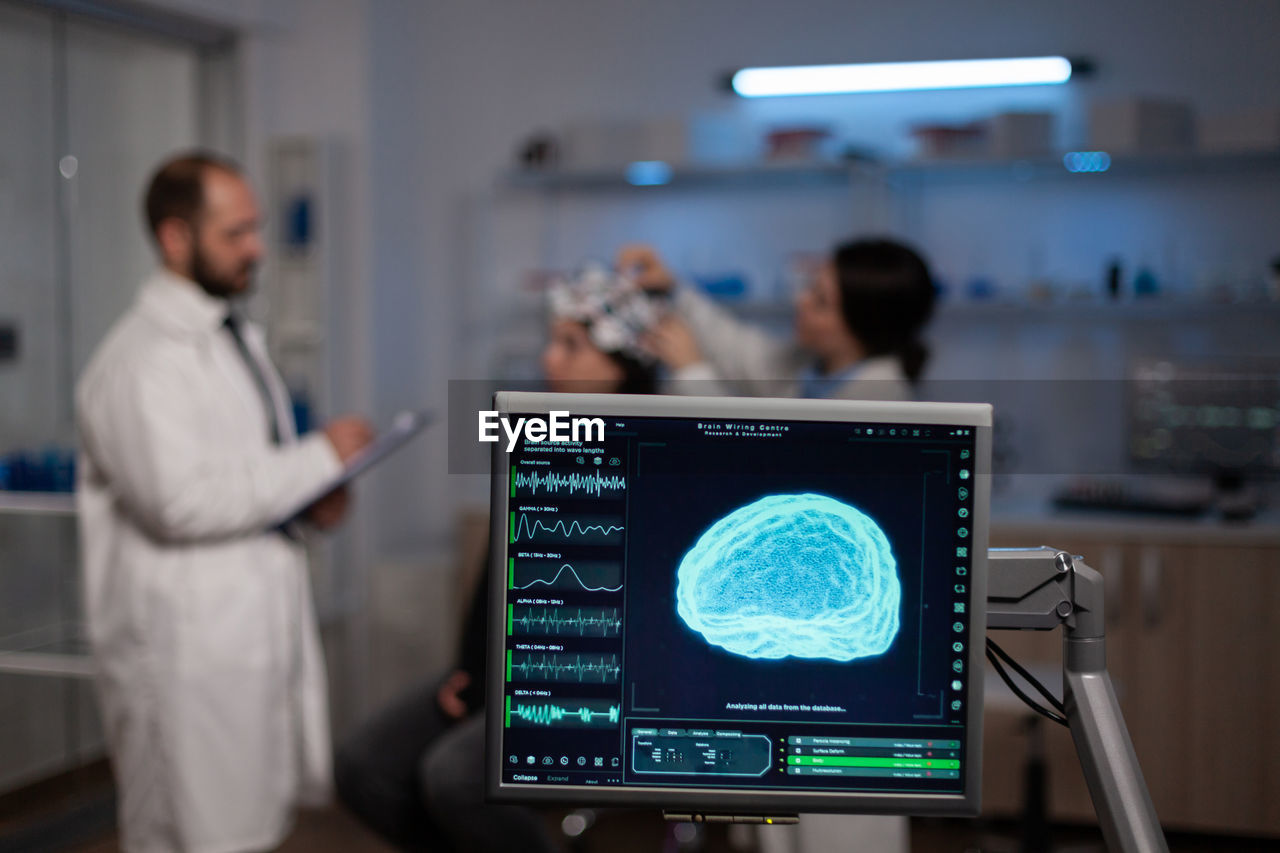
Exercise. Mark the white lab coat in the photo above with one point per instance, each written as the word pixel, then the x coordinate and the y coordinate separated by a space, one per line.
pixel 743 359
pixel 210 674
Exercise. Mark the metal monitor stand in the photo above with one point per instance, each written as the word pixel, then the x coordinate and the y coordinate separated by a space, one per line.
pixel 1040 589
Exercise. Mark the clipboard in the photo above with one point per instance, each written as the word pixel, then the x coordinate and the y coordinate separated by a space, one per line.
pixel 404 427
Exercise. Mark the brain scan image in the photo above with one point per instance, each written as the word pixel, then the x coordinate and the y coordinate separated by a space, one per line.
pixel 794 575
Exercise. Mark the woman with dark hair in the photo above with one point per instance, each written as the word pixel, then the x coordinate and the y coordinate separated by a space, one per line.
pixel 857 329
pixel 886 298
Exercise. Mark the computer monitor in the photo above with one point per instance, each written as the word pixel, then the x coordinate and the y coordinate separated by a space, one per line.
pixel 746 607
pixel 1219 418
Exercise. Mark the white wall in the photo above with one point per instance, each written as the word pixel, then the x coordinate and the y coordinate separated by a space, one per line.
pixel 486 74
pixel 130 103
pixel 70 260
pixel 73 246
pixel 28 231
pixel 430 101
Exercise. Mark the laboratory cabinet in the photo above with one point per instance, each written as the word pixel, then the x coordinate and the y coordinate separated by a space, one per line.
pixel 1194 653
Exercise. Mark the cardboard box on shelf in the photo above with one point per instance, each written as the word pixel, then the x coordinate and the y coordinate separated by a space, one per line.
pixel 1141 126
pixel 605 145
pixel 1013 135
pixel 950 141
pixel 799 143
pixel 724 139
pixel 1236 133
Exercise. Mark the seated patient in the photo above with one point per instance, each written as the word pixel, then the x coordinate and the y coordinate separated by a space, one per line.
pixel 414 772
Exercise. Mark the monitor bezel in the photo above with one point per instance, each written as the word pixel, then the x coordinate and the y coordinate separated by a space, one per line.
pixel 725 800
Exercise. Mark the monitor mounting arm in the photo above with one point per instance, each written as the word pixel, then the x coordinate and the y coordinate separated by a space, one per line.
pixel 1041 589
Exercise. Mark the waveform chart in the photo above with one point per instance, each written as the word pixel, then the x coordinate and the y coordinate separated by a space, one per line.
pixel 551 528
pixel 592 483
pixel 577 575
pixel 799 575
pixel 579 668
pixel 527 621
pixel 563 714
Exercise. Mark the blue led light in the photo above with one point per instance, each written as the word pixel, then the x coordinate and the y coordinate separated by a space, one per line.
pixel 1087 161
pixel 648 173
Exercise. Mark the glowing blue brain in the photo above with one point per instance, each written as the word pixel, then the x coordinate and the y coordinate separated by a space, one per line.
pixel 792 575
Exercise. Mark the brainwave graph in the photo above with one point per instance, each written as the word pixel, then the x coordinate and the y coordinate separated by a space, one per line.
pixel 586 575
pixel 564 714
pixel 596 484
pixel 577 668
pixel 547 528
pixel 564 621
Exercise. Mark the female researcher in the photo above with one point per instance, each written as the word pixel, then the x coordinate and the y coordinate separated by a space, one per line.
pixel 857 329
pixel 414 772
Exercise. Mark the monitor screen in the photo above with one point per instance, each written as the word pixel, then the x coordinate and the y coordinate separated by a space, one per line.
pixel 1205 418
pixel 745 606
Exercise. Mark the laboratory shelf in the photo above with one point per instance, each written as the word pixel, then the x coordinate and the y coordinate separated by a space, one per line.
pixel 38 503
pixel 906 172
pixel 55 650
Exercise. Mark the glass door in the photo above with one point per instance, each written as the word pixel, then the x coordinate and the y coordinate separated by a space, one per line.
pixel 90 108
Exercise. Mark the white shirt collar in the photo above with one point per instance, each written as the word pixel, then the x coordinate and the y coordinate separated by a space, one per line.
pixel 180 304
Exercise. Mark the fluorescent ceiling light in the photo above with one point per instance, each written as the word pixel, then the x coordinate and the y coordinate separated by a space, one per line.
pixel 900 76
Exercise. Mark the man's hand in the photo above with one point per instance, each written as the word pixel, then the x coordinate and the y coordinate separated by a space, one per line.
pixel 348 435
pixel 645 266
pixel 447 696
pixel 327 513
pixel 672 342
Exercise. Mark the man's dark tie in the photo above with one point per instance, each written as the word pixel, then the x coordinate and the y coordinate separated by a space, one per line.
pixel 255 370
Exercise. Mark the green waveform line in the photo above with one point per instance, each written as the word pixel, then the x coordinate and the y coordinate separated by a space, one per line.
pixel 524 527
pixel 602 669
pixel 596 621
pixel 594 483
pixel 576 577
pixel 550 714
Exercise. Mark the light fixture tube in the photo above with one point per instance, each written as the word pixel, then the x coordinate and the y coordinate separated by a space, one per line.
pixel 900 76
